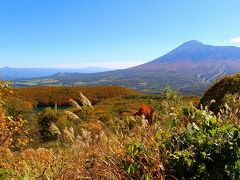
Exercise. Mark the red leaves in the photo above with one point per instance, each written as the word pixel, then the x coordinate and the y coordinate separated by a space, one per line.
pixel 143 110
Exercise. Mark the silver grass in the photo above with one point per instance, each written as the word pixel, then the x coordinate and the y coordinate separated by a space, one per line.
pixel 84 139
pixel 132 118
pixel 75 104
pixel 81 143
pixel 144 122
pixel 71 115
pixel 54 129
pixel 212 101
pixel 85 101
pixel 69 134
pixel 86 134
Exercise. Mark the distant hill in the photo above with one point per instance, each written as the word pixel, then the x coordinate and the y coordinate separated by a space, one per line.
pixel 189 68
pixel 8 73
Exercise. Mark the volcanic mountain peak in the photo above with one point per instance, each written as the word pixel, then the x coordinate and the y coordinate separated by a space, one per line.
pixel 192 43
pixel 194 51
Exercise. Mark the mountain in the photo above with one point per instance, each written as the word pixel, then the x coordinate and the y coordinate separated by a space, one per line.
pixel 189 69
pixel 8 73
pixel 193 54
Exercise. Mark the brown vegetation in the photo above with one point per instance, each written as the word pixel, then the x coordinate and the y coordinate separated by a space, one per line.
pixel 105 141
pixel 49 96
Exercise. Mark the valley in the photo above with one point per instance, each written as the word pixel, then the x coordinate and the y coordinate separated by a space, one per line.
pixel 188 69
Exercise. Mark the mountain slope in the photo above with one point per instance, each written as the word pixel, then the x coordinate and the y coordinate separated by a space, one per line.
pixel 194 54
pixel 189 68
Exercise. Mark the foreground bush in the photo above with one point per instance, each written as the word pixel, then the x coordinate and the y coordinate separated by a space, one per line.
pixel 207 148
pixel 224 86
pixel 12 130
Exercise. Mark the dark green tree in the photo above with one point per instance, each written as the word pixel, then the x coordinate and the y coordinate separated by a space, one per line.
pixel 46 118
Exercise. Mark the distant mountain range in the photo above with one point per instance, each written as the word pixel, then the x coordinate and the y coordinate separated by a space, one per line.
pixel 8 73
pixel 190 68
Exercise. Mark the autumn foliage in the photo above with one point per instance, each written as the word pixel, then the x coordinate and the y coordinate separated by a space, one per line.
pixel 12 129
pixel 49 96
pixel 168 138
pixel 143 110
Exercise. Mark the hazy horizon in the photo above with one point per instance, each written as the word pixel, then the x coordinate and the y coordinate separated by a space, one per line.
pixel 112 66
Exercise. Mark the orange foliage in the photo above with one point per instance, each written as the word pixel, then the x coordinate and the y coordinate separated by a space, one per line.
pixel 143 110
pixel 49 96
pixel 12 129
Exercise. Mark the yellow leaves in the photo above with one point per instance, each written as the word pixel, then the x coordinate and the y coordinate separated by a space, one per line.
pixel 12 129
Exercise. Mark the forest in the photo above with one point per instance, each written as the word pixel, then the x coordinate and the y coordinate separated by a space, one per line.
pixel 111 132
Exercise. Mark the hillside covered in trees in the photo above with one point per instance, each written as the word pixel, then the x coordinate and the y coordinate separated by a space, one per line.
pixel 60 95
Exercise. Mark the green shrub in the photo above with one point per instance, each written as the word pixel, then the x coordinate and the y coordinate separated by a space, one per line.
pixel 226 85
pixel 143 163
pixel 46 118
pixel 209 149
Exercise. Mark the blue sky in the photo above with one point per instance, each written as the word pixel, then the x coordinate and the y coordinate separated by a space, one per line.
pixel 109 33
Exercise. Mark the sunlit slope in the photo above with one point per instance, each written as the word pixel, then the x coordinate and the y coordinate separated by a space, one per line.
pixel 45 95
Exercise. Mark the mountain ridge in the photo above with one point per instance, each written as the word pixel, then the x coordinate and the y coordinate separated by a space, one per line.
pixel 9 73
pixel 189 68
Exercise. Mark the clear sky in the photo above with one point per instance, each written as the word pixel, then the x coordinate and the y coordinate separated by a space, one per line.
pixel 109 33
